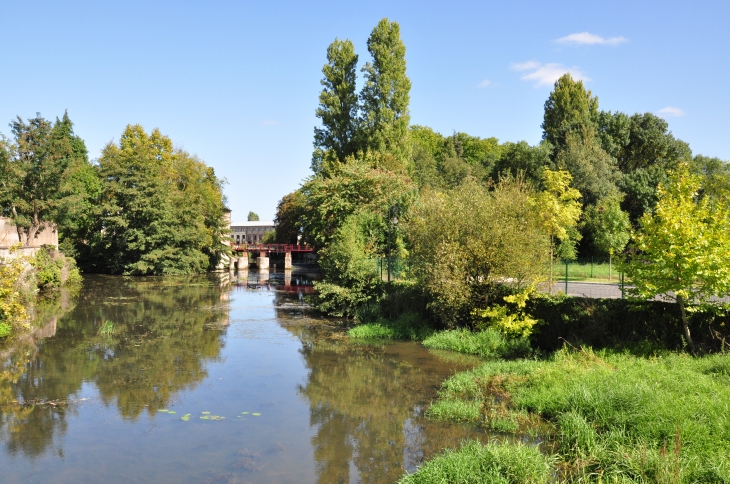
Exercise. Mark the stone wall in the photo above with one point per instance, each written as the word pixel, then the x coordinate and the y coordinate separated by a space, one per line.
pixel 9 235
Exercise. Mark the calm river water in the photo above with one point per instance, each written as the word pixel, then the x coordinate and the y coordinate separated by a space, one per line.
pixel 213 379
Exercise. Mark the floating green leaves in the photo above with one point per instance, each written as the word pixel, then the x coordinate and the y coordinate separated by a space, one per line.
pixel 162 410
pixel 185 417
pixel 205 413
pixel 244 413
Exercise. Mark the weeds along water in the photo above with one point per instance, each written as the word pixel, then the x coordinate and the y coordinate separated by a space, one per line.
pixel 611 417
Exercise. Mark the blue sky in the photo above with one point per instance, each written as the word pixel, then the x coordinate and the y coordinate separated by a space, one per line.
pixel 237 82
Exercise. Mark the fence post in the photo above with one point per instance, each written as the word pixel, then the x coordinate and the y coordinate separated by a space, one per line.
pixel 566 277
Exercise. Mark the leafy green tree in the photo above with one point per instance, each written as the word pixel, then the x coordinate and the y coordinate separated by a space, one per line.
pixel 386 94
pixel 338 105
pixel 161 211
pixel 350 271
pixel 46 177
pixel 650 143
pixel 570 107
pixel 593 170
pixel 467 241
pixel 522 160
pixel 354 187
pixel 715 175
pixel 253 217
pixel 683 247
pixel 610 227
pixel 559 210
pixel 288 219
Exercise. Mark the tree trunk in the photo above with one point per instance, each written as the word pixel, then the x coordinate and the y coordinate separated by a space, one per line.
pixel 691 343
pixel 609 266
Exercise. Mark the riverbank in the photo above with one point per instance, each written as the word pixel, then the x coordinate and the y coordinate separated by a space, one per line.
pixel 29 285
pixel 639 409
pixel 598 417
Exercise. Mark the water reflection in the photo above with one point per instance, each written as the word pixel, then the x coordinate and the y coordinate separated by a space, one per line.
pixel 367 406
pixel 160 333
pixel 88 387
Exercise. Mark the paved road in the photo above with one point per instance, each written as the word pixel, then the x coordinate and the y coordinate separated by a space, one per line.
pixel 589 289
pixel 595 290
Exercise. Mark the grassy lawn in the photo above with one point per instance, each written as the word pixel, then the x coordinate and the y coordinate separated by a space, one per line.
pixel 586 272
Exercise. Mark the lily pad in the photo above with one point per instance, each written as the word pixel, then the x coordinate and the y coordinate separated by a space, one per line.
pixel 172 412
pixel 244 413
pixel 205 413
pixel 256 414
pixel 185 417
pixel 162 410
pixel 205 417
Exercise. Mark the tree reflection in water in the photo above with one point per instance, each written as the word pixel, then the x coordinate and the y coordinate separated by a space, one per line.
pixel 164 331
pixel 367 403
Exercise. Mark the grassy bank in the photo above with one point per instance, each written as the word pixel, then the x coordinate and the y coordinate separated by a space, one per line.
pixel 610 417
pixel 491 463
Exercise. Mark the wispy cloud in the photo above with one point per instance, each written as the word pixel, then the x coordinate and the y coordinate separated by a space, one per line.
pixel 586 38
pixel 484 83
pixel 270 122
pixel 547 74
pixel 671 111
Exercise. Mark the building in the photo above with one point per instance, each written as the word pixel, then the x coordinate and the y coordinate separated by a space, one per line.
pixel 250 232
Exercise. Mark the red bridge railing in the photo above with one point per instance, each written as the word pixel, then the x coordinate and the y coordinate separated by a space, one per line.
pixel 276 248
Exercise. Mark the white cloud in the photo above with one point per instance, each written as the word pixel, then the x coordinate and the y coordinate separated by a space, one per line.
pixel 671 111
pixel 547 74
pixel 525 66
pixel 484 83
pixel 586 38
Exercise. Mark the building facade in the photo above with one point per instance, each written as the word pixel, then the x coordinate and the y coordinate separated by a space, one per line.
pixel 250 232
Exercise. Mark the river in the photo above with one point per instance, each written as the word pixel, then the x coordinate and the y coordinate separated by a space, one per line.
pixel 217 378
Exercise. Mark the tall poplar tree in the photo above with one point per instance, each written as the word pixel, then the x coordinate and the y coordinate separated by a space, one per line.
pixel 570 108
pixel 386 94
pixel 337 105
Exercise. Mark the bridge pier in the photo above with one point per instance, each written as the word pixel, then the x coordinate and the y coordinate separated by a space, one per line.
pixel 243 261
pixel 287 260
pixel 232 263
pixel 262 261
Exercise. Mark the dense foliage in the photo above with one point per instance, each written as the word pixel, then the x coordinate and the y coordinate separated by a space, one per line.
pixel 46 180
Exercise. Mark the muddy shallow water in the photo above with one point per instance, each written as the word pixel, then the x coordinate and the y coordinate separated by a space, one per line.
pixel 213 379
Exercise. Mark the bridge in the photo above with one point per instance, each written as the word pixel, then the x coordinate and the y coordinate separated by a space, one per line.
pixel 241 251
pixel 272 248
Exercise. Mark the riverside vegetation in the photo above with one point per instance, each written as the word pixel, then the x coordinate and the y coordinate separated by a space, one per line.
pixel 144 207
pixel 577 390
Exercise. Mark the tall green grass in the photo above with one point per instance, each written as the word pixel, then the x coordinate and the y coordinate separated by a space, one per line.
pixel 614 417
pixel 497 463
pixel 409 326
pixel 487 344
